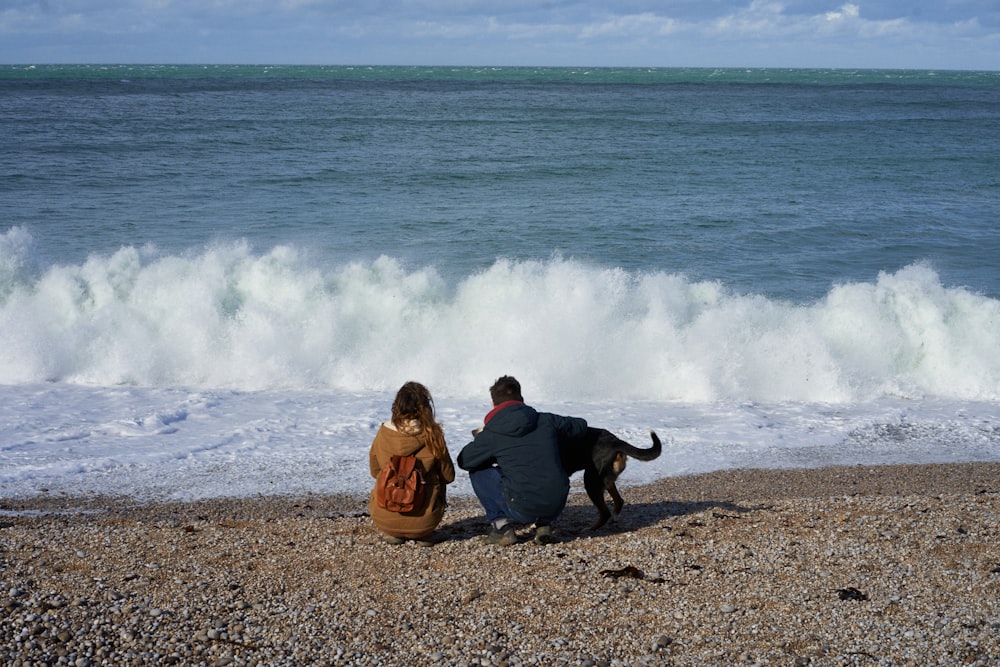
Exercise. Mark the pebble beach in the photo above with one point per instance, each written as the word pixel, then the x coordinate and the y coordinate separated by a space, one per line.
pixel 893 565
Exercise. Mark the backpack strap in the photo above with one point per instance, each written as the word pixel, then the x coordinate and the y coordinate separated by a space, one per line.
pixel 404 466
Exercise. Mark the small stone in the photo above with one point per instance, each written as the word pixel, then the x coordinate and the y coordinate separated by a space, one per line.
pixel 728 609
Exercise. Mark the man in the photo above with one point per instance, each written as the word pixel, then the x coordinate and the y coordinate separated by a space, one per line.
pixel 514 466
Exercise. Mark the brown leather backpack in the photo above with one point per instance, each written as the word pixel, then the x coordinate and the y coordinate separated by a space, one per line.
pixel 400 485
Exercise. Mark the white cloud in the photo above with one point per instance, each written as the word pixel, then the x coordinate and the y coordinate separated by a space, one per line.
pixel 846 12
pixel 630 25
pixel 759 19
pixel 767 20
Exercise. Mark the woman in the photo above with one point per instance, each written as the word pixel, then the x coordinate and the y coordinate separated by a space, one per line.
pixel 412 430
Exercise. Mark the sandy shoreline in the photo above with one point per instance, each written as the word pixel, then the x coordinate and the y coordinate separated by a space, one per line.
pixel 861 565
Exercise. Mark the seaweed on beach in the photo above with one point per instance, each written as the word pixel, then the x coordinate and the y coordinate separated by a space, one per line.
pixel 851 593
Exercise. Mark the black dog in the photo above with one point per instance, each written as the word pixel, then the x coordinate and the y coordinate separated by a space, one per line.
pixel 602 457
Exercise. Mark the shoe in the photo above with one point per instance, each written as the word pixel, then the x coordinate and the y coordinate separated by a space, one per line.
pixel 543 535
pixel 503 537
pixel 389 539
pixel 428 541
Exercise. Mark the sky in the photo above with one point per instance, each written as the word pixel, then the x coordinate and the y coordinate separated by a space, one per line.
pixel 908 34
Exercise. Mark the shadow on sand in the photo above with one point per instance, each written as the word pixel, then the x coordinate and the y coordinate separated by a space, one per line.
pixel 579 515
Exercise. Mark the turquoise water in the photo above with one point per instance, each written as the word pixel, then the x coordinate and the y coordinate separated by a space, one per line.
pixel 782 183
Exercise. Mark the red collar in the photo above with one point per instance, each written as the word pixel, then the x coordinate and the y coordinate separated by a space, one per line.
pixel 498 408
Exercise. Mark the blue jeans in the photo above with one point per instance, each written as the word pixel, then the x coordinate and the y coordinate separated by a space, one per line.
pixel 488 486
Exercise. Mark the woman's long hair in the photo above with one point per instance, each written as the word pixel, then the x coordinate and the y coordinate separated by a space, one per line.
pixel 414 402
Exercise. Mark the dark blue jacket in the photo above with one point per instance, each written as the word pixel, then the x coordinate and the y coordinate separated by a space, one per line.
pixel 524 444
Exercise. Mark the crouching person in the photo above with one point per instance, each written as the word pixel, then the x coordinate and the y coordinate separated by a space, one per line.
pixel 414 509
pixel 514 466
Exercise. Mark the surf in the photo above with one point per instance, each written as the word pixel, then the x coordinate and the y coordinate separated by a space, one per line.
pixel 228 316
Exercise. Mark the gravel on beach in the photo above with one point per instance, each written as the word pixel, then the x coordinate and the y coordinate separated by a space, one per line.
pixel 889 565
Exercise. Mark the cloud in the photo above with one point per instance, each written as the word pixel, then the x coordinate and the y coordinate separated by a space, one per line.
pixel 845 13
pixel 768 20
pixel 646 24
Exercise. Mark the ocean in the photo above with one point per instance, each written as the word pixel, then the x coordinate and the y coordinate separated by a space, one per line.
pixel 214 278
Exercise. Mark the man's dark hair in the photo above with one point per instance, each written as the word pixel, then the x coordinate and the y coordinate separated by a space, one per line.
pixel 506 389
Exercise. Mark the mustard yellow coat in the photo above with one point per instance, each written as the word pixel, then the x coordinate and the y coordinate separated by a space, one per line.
pixel 390 442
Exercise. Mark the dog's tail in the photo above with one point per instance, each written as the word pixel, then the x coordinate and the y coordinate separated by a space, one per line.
pixel 643 454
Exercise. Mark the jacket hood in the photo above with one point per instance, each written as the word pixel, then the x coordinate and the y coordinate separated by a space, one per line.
pixel 514 420
pixel 400 443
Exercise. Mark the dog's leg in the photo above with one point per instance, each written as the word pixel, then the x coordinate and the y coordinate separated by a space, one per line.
pixel 621 460
pixel 595 489
pixel 616 497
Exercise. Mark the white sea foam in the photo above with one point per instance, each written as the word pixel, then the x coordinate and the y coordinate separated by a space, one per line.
pixel 229 372
pixel 226 317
